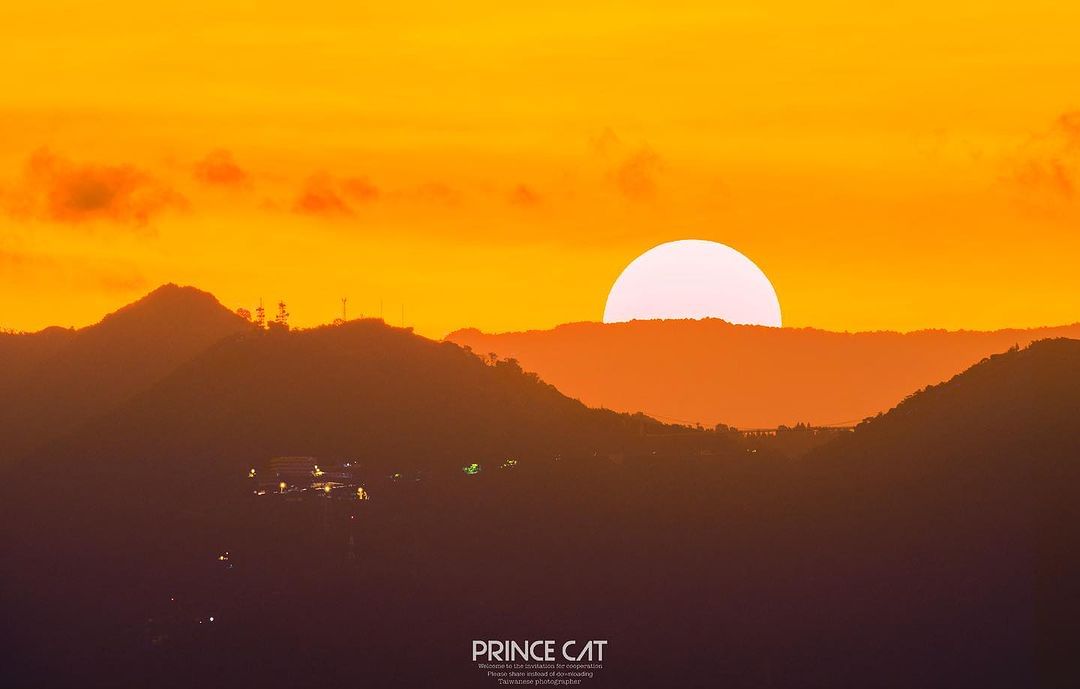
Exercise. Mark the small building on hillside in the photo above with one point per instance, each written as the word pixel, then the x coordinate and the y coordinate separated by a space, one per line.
pixel 292 469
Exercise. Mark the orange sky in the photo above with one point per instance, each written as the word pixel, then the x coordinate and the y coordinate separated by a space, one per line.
pixel 497 166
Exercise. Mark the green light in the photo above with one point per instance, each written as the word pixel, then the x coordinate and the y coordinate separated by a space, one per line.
pixel 471 470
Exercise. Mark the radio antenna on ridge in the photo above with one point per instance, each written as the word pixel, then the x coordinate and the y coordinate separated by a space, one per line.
pixel 260 315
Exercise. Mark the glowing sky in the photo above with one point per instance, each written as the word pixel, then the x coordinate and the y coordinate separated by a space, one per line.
pixel 496 165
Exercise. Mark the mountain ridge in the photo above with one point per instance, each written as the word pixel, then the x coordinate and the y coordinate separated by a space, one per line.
pixel 805 328
pixel 63 378
pixel 361 389
pixel 711 371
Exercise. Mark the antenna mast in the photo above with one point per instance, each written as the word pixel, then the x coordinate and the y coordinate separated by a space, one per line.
pixel 260 315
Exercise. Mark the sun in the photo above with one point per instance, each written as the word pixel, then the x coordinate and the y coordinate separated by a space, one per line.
pixel 693 278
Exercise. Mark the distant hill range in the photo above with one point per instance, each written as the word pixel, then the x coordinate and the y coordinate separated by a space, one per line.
pixel 709 371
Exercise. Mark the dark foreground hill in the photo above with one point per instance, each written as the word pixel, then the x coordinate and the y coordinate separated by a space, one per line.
pixel 953 521
pixel 709 371
pixel 56 379
pixel 936 546
pixel 125 492
pixel 364 391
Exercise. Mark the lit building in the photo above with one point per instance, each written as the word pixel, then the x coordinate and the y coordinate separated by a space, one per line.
pixel 292 469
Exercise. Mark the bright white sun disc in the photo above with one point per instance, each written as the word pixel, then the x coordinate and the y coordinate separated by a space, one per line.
pixel 693 278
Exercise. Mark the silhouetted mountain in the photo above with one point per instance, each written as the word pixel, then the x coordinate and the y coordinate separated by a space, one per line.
pixel 1010 408
pixel 713 372
pixel 966 498
pixel 56 379
pixel 362 390
pixel 936 545
pixel 22 353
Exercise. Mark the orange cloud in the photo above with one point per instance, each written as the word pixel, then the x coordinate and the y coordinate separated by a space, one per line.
pixel 320 196
pixel 1049 163
pixel 58 189
pixel 325 195
pixel 219 168
pixel 360 189
pixel 1069 125
pixel 524 196
pixel 1052 174
pixel 636 176
pixel 635 172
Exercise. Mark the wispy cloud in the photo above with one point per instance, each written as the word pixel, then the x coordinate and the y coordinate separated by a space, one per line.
pixel 634 171
pixel 360 189
pixel 1048 164
pixel 323 194
pixel 524 196
pixel 219 168
pixel 636 175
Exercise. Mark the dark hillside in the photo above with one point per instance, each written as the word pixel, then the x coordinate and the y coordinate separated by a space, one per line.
pixel 57 379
